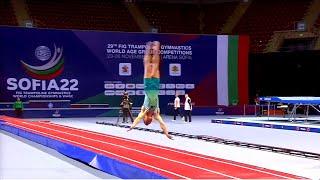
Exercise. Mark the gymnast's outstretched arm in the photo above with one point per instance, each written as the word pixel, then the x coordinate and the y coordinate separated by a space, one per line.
pixel 162 125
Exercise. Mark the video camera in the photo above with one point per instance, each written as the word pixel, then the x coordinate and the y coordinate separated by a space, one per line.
pixel 125 102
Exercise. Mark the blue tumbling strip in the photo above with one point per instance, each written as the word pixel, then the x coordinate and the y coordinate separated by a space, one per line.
pixel 104 163
pixel 268 125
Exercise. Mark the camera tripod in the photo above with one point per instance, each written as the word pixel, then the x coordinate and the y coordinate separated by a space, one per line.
pixel 126 114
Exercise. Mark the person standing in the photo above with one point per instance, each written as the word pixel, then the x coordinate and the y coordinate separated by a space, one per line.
pixel 176 106
pixel 18 107
pixel 187 108
pixel 258 108
pixel 126 105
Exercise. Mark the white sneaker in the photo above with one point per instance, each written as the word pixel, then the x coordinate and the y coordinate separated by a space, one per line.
pixel 182 119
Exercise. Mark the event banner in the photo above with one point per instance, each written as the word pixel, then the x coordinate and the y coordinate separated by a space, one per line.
pixel 97 66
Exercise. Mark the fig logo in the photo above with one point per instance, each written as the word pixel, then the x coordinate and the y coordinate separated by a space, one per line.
pixel 49 70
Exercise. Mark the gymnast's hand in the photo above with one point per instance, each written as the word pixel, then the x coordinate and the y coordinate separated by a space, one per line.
pixel 170 137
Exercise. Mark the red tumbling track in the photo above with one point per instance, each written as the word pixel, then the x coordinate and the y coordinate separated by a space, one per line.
pixel 167 162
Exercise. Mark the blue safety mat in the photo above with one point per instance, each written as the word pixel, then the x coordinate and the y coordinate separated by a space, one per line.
pixel 109 165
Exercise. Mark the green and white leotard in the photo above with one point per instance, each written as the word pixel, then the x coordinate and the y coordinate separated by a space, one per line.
pixel 151 89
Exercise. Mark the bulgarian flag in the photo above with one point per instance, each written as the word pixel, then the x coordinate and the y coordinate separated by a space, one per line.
pixel 232 70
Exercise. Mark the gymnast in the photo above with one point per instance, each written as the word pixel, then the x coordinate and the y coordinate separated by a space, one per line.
pixel 150 109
